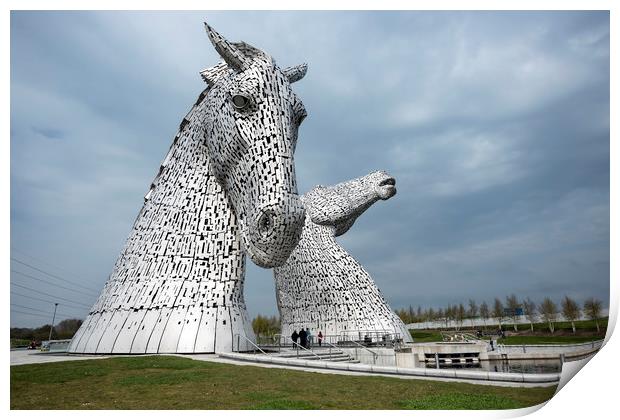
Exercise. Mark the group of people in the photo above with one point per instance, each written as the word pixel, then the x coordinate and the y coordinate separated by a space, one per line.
pixel 305 338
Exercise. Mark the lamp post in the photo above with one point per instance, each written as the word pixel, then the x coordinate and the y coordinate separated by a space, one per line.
pixel 53 319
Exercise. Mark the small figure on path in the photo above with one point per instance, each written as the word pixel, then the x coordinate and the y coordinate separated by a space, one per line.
pixel 320 336
pixel 303 338
pixel 294 337
pixel 309 337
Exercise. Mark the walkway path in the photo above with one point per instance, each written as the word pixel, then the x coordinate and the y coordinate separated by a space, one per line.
pixel 22 357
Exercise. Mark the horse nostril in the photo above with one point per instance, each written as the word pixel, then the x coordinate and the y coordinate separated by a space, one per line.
pixel 265 223
pixel 387 181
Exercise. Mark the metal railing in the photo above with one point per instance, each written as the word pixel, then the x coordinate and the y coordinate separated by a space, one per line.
pixel 345 338
pixel 239 336
pixel 375 356
pixel 370 337
pixel 335 347
pixel 458 336
pixel 294 344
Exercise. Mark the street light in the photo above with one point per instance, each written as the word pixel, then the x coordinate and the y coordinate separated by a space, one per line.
pixel 53 319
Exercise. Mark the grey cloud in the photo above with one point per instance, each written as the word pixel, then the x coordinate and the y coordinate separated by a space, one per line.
pixel 495 125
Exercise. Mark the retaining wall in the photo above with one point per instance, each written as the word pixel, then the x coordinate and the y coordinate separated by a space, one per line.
pixel 510 379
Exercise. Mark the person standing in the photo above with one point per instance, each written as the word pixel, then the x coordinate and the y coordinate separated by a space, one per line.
pixel 309 337
pixel 303 338
pixel 320 336
pixel 294 337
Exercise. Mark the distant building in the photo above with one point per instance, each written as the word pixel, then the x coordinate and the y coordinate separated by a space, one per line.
pixel 509 313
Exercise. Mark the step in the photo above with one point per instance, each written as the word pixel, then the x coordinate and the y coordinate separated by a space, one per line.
pixel 308 355
pixel 313 357
pixel 313 349
pixel 343 358
pixel 336 356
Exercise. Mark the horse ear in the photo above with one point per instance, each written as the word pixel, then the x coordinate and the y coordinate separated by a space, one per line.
pixel 295 73
pixel 229 53
pixel 213 74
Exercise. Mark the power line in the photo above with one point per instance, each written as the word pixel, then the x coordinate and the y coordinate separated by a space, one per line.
pixel 49 282
pixel 30 313
pixel 47 294
pixel 49 301
pixel 43 261
pixel 41 311
pixel 38 310
pixel 53 275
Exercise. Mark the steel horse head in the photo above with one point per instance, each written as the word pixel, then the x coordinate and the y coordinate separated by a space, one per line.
pixel 251 131
pixel 340 205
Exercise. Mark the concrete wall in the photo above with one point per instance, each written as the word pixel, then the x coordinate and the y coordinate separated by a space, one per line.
pixel 381 356
pixel 555 349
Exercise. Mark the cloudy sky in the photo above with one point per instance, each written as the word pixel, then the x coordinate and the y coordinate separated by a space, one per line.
pixel 495 126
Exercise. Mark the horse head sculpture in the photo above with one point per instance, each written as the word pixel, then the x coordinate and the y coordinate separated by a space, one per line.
pixel 322 286
pixel 341 204
pixel 225 189
pixel 251 133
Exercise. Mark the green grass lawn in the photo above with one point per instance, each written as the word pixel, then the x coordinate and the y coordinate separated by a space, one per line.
pixel 168 382
pixel 559 326
pixel 425 336
pixel 537 339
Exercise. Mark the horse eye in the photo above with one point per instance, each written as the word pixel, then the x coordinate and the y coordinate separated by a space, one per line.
pixel 240 101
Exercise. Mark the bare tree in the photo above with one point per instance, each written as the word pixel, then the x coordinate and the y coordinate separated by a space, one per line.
pixel 592 309
pixel 529 308
pixel 498 312
pixel 549 313
pixel 449 314
pixel 441 316
pixel 402 314
pixel 570 311
pixel 484 313
pixel 512 304
pixel 430 315
pixel 461 313
pixel 265 326
pixel 473 311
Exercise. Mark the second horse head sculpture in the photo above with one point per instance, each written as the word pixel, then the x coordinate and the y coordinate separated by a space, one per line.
pixel 321 286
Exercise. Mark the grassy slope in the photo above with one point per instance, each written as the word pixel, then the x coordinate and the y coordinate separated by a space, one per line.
pixel 536 339
pixel 543 326
pixel 428 336
pixel 425 336
pixel 586 331
pixel 167 382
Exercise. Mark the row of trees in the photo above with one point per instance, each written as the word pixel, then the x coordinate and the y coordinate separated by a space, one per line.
pixel 264 326
pixel 63 330
pixel 508 309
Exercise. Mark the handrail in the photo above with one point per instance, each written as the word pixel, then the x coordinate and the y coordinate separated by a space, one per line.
pixel 371 333
pixel 297 345
pixel 249 341
pixel 334 346
pixel 452 335
pixel 375 355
